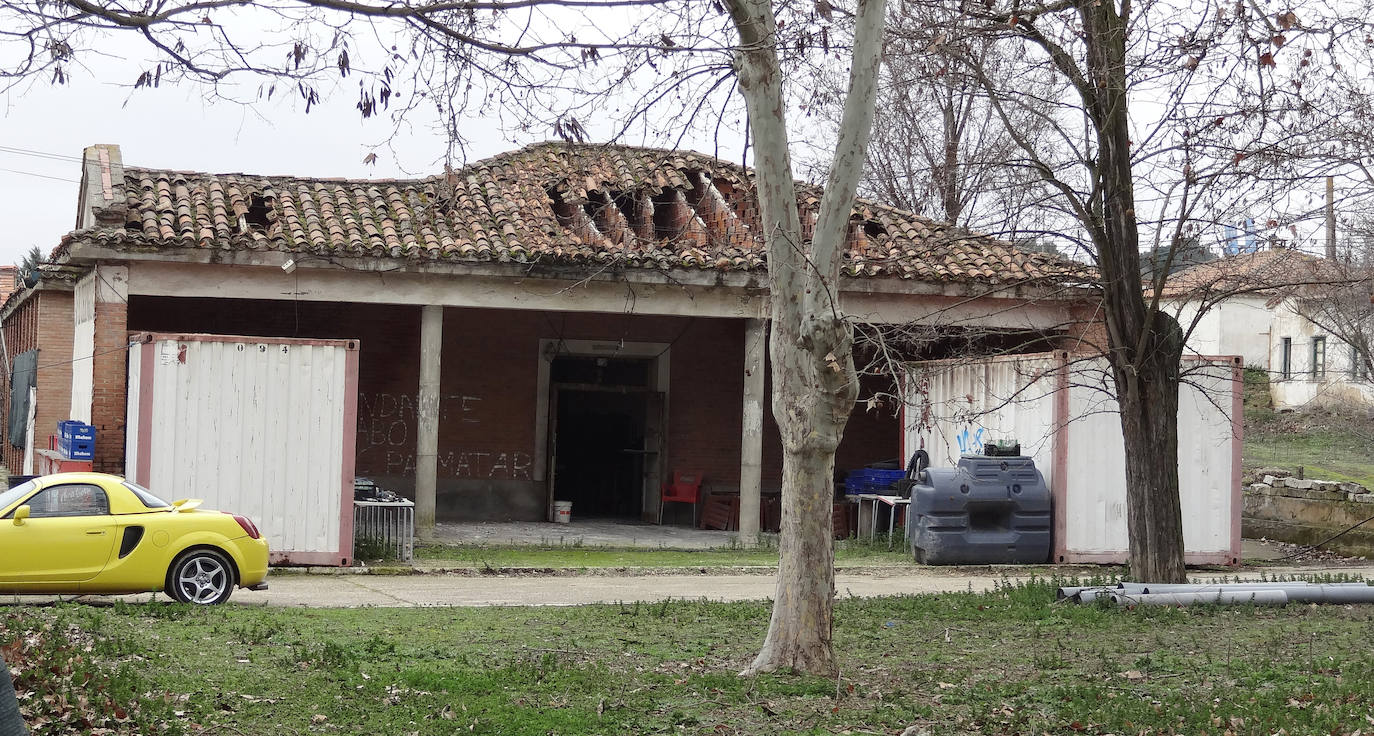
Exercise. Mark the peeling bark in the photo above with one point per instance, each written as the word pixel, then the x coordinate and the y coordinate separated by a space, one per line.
pixel 814 382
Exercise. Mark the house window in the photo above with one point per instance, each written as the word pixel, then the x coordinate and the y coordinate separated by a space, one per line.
pixel 1318 357
pixel 1286 359
pixel 1358 370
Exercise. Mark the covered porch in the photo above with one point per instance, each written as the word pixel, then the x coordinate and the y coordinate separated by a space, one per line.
pixel 493 406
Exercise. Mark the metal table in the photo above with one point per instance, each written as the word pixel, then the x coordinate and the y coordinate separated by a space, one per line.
pixel 875 500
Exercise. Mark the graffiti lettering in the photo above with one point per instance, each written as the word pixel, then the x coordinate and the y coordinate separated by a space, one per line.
pixel 969 441
pixel 388 420
pixel 387 430
pixel 469 465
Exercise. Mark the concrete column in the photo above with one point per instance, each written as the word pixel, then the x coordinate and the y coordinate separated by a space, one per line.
pixel 751 437
pixel 427 419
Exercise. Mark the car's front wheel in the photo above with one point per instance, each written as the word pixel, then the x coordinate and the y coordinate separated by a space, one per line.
pixel 201 576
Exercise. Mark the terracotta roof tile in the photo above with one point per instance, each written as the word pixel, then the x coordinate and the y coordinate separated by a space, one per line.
pixel 1266 271
pixel 550 202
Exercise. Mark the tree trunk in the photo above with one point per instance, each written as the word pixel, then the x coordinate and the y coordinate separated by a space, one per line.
pixel 1148 400
pixel 1144 344
pixel 947 174
pixel 814 382
pixel 800 628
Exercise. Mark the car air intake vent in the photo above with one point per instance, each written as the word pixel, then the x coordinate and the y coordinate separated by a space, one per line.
pixel 132 536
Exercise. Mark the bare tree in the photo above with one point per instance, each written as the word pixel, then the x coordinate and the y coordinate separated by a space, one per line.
pixel 814 383
pixel 1175 116
pixel 939 148
pixel 537 61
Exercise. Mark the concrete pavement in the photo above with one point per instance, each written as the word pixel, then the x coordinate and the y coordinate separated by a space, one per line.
pixel 465 590
pixel 351 590
pixel 444 589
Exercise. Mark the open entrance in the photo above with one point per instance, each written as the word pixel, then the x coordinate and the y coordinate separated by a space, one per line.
pixel 606 435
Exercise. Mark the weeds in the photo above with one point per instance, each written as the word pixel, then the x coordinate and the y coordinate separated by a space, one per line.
pixel 366 547
pixel 1008 661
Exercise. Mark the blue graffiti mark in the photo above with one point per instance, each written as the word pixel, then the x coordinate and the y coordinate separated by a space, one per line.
pixel 970 441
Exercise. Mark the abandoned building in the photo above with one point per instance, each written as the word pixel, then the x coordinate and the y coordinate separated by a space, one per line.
pixel 586 318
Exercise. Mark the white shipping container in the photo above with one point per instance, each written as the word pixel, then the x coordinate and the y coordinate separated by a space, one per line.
pixel 263 427
pixel 1065 417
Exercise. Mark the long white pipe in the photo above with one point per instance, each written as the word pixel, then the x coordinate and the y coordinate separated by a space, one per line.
pixel 1339 593
pixel 1199 587
pixel 1235 597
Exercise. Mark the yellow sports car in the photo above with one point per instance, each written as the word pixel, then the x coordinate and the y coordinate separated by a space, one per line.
pixel 78 533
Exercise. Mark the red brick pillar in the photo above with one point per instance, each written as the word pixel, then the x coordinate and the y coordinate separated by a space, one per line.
pixel 110 367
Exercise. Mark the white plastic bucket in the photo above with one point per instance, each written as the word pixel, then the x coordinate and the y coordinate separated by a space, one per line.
pixel 562 512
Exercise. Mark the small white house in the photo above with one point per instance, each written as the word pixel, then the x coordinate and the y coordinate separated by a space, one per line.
pixel 1266 307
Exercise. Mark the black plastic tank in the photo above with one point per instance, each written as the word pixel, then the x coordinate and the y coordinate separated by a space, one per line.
pixel 988 510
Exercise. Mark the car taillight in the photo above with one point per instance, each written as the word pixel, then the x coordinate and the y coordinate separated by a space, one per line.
pixel 249 527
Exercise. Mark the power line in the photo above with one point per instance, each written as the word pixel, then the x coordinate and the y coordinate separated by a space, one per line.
pixel 40 154
pixel 41 176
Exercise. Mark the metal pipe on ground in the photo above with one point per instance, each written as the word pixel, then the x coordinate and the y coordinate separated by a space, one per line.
pixel 1071 591
pixel 1200 587
pixel 1335 593
pixel 1223 598
pixel 1084 593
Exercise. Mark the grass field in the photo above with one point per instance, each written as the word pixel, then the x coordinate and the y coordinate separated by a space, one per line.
pixel 1008 662
pixel 1327 445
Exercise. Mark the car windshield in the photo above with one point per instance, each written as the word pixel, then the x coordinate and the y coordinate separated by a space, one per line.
pixel 16 493
pixel 146 496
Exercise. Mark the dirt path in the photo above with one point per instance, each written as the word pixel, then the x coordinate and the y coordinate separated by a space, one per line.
pixel 465 590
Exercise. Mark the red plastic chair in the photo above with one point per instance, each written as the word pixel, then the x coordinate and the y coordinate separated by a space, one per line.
pixel 683 488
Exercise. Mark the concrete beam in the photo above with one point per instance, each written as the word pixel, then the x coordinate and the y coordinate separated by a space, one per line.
pixel 475 290
pixel 1001 310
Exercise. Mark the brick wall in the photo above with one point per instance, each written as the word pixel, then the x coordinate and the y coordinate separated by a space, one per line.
pixel 489 391
pixel 1087 334
pixel 44 321
pixel 110 383
pixel 21 334
pixel 869 436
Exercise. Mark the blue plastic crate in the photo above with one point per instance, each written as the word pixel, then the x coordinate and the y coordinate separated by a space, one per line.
pixel 871 480
pixel 74 430
pixel 76 449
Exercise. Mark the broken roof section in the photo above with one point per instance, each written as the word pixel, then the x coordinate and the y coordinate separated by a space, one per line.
pixel 554 203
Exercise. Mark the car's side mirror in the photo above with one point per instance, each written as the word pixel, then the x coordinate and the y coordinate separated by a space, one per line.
pixel 20 514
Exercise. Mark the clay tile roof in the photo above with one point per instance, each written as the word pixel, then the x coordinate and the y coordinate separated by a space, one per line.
pixel 1262 272
pixel 554 203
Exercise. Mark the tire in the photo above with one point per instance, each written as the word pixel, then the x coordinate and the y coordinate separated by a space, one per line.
pixel 203 576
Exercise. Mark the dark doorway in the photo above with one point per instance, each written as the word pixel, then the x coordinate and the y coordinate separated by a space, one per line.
pixel 605 435
pixel 600 460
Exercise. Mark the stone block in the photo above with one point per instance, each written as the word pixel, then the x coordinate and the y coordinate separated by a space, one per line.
pixel 1353 488
pixel 1363 498
pixel 1305 485
pixel 1326 485
pixel 1261 488
pixel 1276 472
pixel 1313 494
pixel 1271 480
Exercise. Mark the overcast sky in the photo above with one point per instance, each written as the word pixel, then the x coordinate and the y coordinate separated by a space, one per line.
pixel 44 129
